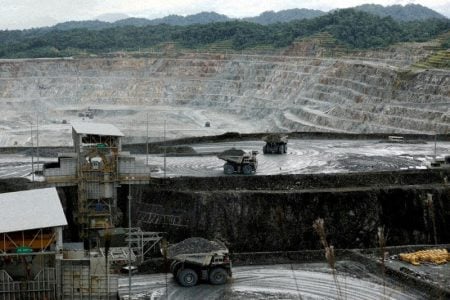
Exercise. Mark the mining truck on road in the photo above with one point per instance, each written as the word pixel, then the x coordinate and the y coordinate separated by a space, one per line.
pixel 239 161
pixel 197 259
pixel 275 143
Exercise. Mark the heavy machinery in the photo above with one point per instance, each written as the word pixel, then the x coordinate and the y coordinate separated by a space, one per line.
pixel 197 259
pixel 275 143
pixel 239 161
pixel 435 256
pixel 440 163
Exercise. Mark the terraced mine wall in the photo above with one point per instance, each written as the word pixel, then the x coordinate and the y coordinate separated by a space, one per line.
pixel 274 93
pixel 276 213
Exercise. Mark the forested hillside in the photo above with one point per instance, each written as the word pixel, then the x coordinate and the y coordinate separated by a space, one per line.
pixel 349 27
pixel 288 15
pixel 409 12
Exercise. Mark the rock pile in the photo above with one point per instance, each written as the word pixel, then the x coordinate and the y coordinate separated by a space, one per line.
pixel 232 152
pixel 275 138
pixel 194 245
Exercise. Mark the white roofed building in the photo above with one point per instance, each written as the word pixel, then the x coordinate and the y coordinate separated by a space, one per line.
pixel 94 134
pixel 31 221
pixel 31 239
pixel 99 129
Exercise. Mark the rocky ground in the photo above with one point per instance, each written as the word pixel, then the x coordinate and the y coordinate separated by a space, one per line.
pixel 304 156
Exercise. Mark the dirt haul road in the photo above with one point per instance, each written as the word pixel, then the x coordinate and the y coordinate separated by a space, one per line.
pixel 303 157
pixel 306 281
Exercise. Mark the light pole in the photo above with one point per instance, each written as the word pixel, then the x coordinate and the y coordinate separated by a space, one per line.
pixel 165 149
pixel 146 143
pixel 435 144
pixel 129 236
pixel 37 141
pixel 32 150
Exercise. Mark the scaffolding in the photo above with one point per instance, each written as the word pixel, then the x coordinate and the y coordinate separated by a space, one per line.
pixel 97 197
pixel 118 254
pixel 143 243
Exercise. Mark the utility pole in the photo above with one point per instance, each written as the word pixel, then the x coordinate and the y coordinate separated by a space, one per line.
pixel 435 142
pixel 37 140
pixel 129 237
pixel 146 141
pixel 165 149
pixel 32 152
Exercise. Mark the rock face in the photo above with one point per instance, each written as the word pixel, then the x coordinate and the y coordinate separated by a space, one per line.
pixel 236 93
pixel 276 213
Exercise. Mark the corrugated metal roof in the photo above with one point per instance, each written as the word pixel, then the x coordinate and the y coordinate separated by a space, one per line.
pixel 96 128
pixel 31 209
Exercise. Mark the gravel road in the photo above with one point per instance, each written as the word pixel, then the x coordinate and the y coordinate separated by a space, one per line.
pixel 306 156
pixel 303 157
pixel 305 281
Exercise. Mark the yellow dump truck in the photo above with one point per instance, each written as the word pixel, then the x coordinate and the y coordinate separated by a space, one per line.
pixel 275 144
pixel 239 161
pixel 197 259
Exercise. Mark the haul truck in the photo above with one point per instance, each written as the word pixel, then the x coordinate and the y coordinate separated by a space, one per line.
pixel 198 259
pixel 275 143
pixel 239 161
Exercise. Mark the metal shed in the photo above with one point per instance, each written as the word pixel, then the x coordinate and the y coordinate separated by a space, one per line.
pixel 30 243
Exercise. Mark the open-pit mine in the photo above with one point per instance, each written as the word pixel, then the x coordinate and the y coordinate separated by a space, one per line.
pixel 244 93
pixel 137 139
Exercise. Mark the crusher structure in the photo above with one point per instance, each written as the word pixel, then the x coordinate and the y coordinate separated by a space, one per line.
pixel 98 166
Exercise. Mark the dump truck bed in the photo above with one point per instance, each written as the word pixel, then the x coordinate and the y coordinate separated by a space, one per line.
pixel 196 250
pixel 203 259
pixel 233 155
pixel 276 138
pixel 195 246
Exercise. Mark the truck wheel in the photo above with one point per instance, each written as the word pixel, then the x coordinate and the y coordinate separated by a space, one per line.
pixel 187 277
pixel 285 148
pixel 174 267
pixel 247 170
pixel 280 149
pixel 228 169
pixel 218 276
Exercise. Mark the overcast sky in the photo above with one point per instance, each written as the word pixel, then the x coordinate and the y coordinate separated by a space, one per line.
pixel 20 14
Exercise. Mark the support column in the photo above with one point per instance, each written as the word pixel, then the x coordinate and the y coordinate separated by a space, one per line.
pixel 58 259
